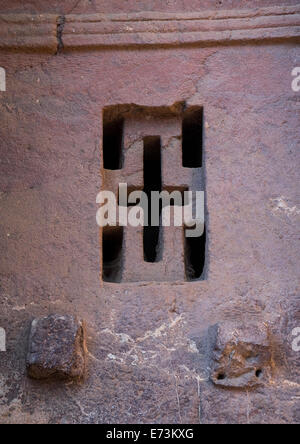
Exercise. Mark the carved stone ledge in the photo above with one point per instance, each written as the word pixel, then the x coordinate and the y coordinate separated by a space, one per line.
pixel 32 33
pixel 44 32
pixel 160 29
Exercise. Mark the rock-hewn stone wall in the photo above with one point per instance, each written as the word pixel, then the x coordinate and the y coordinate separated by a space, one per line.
pixel 213 351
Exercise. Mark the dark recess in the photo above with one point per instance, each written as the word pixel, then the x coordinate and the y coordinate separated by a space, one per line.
pixel 113 144
pixel 221 377
pixel 258 373
pixel 112 248
pixel 195 254
pixel 152 182
pixel 192 137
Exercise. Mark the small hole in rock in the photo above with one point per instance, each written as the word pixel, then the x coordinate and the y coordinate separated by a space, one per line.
pixel 195 257
pixel 258 373
pixel 221 377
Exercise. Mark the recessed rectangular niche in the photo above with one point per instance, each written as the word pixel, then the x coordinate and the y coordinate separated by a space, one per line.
pixel 192 137
pixel 195 257
pixel 113 131
pixel 112 254
pixel 152 182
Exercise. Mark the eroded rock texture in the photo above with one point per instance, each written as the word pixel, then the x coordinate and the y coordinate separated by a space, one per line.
pixel 241 356
pixel 56 348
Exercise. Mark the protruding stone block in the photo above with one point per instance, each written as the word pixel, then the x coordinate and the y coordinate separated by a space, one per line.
pixel 241 356
pixel 56 348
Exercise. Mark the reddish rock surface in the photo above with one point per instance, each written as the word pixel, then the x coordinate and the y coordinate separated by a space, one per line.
pixel 149 352
pixel 56 348
pixel 108 6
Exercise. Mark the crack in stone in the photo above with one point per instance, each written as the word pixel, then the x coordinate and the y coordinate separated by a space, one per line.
pixel 60 29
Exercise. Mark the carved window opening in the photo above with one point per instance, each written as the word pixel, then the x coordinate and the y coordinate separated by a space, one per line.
pixel 153 149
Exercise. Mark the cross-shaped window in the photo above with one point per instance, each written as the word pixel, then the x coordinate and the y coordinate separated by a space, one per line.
pixel 152 149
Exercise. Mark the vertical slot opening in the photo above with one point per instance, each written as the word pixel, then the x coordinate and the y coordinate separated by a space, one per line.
pixel 112 250
pixel 152 182
pixel 113 131
pixel 192 138
pixel 195 257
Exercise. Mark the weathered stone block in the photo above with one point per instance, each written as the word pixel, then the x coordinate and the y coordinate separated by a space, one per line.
pixel 56 348
pixel 241 357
